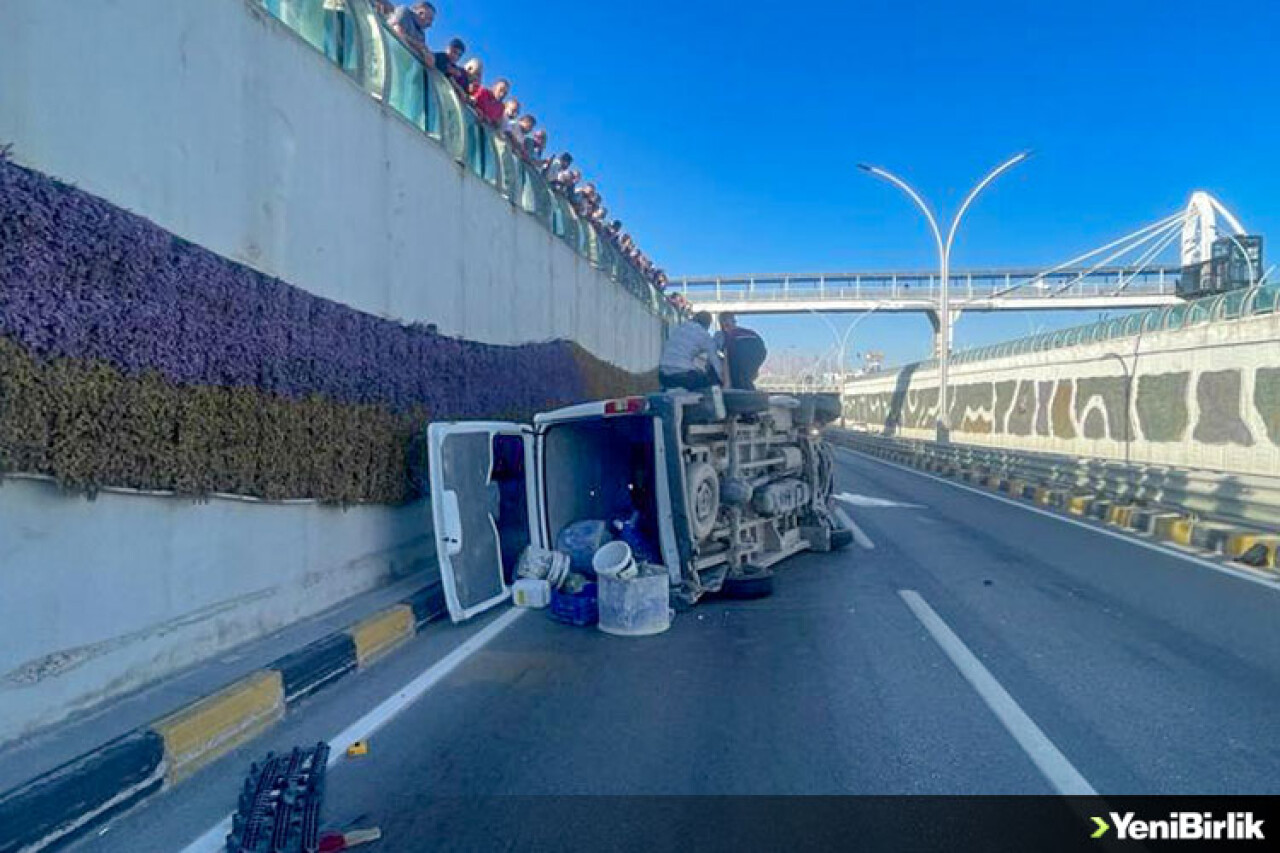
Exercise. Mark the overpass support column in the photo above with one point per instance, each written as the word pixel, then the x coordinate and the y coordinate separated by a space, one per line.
pixel 935 320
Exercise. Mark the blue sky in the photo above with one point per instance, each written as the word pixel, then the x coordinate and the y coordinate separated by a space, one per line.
pixel 725 135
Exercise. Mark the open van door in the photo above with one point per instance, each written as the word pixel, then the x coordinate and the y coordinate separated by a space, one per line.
pixel 482 503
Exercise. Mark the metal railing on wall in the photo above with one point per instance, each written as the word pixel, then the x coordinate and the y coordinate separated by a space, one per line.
pixel 1236 305
pixel 355 38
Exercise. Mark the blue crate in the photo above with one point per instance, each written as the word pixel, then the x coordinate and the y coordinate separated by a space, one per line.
pixel 582 609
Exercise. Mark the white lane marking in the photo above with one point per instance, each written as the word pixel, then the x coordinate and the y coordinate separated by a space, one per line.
pixel 1060 772
pixel 863 540
pixel 215 839
pixel 867 501
pixel 1132 540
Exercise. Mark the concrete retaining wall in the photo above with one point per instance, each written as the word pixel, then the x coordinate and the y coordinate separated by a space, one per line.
pixel 218 123
pixel 99 597
pixel 1203 397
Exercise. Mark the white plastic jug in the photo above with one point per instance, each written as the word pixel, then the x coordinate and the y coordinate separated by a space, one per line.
pixel 531 593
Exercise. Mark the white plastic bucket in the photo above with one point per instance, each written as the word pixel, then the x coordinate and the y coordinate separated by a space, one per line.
pixel 639 607
pixel 614 560
pixel 531 593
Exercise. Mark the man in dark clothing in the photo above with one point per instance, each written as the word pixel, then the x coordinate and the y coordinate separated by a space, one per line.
pixel 447 63
pixel 744 352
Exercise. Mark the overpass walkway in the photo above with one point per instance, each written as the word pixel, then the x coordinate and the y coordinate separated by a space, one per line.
pixel 1099 288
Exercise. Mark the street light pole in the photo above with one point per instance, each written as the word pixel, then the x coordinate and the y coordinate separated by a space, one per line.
pixel 842 344
pixel 944 271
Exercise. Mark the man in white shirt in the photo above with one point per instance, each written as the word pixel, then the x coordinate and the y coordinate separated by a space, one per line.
pixel 689 358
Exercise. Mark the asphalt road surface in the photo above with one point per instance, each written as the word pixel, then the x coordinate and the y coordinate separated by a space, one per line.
pixel 966 645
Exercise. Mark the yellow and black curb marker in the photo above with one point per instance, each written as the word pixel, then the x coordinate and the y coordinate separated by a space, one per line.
pixel 85 792
pixel 1170 524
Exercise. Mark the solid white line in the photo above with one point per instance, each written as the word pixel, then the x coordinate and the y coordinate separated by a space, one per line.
pixel 1239 574
pixel 863 540
pixel 1060 772
pixel 215 839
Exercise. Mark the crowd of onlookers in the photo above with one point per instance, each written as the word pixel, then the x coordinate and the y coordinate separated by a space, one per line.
pixel 498 108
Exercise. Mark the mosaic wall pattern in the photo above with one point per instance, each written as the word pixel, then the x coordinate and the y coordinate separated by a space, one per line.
pixel 1093 408
pixel 130 357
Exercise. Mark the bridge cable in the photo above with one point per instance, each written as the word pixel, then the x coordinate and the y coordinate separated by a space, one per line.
pixel 1140 265
pixel 1157 226
pixel 1121 252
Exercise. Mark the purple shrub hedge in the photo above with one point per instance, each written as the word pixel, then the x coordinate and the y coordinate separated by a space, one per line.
pixel 89 290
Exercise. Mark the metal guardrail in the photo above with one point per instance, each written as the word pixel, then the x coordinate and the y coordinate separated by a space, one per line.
pixel 1233 499
pixel 354 37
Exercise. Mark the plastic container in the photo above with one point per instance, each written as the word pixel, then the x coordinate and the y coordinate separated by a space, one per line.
pixel 541 564
pixel 581 609
pixel 580 540
pixel 614 560
pixel 531 593
pixel 639 607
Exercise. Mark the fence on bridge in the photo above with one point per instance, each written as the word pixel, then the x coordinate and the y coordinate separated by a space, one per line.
pixel 981 285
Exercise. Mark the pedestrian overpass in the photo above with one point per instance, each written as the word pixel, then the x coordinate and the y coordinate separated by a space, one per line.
pixel 1124 274
pixel 1101 289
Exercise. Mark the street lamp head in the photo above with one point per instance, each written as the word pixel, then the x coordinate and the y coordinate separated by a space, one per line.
pixel 866 167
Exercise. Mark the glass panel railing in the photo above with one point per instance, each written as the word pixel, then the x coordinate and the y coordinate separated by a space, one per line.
pixel 1265 300
pixel 593 245
pixel 511 180
pixel 406 86
pixel 570 222
pixel 453 125
pixel 482 155
pixel 373 49
pixel 1233 305
pixel 530 185
pixel 354 37
pixel 306 18
pixel 1198 313
pixel 434 82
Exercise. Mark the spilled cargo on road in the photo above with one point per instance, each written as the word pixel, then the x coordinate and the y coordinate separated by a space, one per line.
pixel 712 489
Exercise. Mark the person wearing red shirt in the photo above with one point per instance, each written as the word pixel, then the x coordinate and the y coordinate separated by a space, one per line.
pixel 488 102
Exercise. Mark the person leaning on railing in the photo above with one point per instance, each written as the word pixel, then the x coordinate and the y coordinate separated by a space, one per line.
pixel 410 24
pixel 446 62
pixel 488 102
pixel 535 144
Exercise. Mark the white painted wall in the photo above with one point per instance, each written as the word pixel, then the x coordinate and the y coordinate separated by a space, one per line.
pixel 100 597
pixel 215 121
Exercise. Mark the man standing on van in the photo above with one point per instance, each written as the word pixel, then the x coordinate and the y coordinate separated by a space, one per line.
pixel 689 358
pixel 744 351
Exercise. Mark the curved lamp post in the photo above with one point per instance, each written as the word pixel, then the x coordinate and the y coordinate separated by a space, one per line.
pixel 842 347
pixel 944 269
